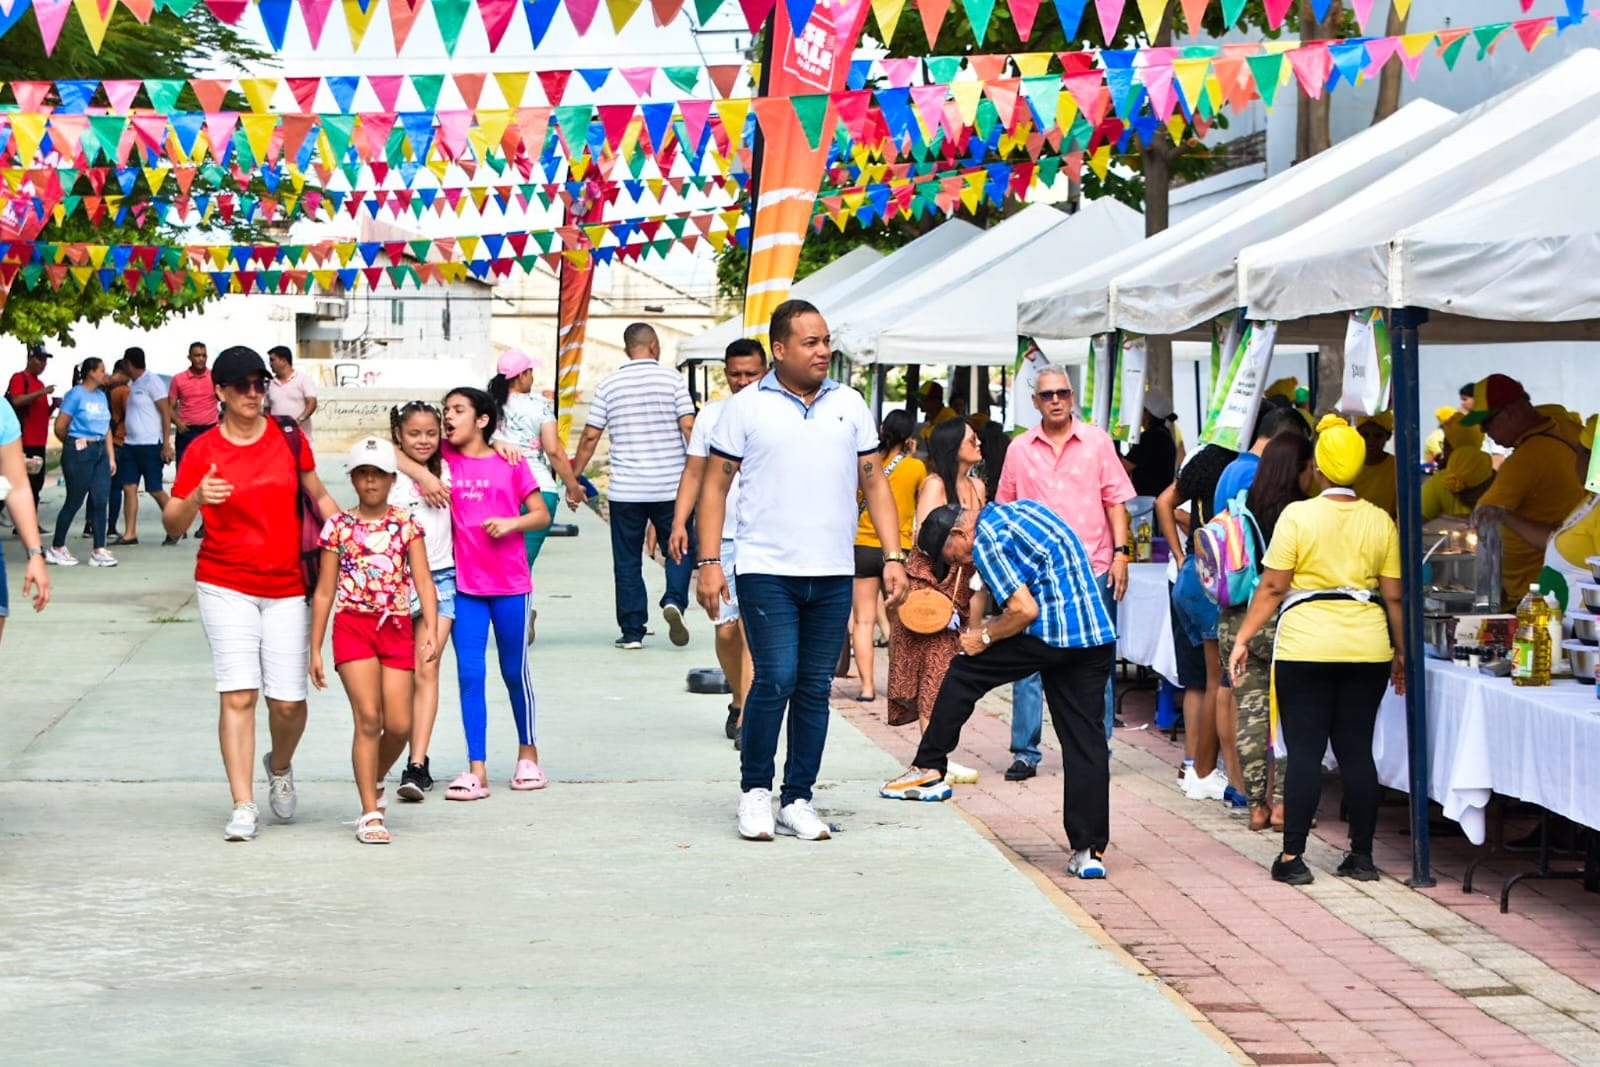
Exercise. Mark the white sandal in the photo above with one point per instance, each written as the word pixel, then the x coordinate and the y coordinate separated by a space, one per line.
pixel 370 829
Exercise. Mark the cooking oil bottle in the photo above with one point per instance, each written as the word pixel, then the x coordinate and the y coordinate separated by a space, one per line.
pixel 1143 540
pixel 1530 654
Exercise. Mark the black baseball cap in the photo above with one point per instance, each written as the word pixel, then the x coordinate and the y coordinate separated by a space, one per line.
pixel 236 364
pixel 37 350
pixel 935 531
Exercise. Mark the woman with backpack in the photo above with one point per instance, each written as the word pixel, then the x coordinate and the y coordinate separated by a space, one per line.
pixel 246 477
pixel 1283 477
pixel 1333 565
pixel 1181 509
pixel 906 474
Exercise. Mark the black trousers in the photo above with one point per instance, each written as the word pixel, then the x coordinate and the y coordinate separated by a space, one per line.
pixel 35 481
pixel 1319 703
pixel 1074 688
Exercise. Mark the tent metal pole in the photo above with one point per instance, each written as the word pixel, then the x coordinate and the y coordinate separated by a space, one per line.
pixel 913 386
pixel 1403 324
pixel 1199 405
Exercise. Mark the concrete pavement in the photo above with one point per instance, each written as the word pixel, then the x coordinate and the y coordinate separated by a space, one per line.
pixel 616 914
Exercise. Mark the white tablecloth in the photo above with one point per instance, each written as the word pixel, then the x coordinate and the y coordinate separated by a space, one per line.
pixel 1144 626
pixel 1486 735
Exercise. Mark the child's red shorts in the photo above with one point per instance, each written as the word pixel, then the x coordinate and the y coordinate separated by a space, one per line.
pixel 385 638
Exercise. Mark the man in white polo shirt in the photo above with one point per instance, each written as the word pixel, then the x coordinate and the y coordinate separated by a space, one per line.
pixel 648 411
pixel 802 445
pixel 290 393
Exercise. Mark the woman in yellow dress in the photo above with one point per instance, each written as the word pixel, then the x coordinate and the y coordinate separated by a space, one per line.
pixel 1376 482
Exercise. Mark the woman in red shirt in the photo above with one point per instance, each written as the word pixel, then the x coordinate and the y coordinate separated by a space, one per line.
pixel 244 476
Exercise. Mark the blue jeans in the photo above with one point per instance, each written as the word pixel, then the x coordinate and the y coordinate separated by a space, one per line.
pixel 1027 698
pixel 796 627
pixel 88 474
pixel 628 522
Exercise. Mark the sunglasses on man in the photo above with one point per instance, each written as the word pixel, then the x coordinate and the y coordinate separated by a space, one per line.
pixel 1050 396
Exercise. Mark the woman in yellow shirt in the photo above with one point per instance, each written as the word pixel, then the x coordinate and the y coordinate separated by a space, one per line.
pixel 1465 470
pixel 1334 566
pixel 1376 482
pixel 906 474
pixel 1569 545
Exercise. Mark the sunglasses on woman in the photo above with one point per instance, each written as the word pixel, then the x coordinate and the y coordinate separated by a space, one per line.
pixel 249 387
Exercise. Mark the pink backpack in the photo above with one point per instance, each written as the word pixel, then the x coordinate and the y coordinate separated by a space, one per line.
pixel 1227 555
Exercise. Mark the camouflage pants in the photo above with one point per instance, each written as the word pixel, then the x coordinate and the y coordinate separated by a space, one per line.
pixel 1253 694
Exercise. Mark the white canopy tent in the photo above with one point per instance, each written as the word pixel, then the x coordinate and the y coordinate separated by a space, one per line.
pixel 1184 275
pixel 1346 258
pixel 711 343
pixel 962 312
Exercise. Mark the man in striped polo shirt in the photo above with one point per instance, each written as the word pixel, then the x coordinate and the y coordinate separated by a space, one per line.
pixel 1054 623
pixel 647 410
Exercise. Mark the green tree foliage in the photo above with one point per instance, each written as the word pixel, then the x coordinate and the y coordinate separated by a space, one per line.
pixel 170 46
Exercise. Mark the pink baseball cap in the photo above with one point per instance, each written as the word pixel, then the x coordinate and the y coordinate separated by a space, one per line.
pixel 513 363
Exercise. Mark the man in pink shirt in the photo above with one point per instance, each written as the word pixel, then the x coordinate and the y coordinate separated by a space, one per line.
pixel 194 401
pixel 1071 467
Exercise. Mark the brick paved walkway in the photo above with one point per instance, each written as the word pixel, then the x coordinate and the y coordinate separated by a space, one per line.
pixel 1340 972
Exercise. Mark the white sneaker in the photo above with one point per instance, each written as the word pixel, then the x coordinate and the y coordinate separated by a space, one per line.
pixel 102 558
pixel 799 819
pixel 755 815
pixel 959 774
pixel 280 790
pixel 60 557
pixel 243 826
pixel 1085 864
pixel 677 629
pixel 1213 786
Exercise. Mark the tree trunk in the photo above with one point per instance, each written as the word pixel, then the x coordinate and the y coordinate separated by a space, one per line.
pixel 1389 78
pixel 1313 133
pixel 1330 378
pixel 1156 163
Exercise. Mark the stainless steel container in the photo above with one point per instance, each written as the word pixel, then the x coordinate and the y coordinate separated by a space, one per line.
pixel 1438 635
pixel 1590 592
pixel 1585 627
pixel 1584 659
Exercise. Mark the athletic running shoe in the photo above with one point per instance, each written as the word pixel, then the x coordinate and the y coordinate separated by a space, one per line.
pixel 917 784
pixel 1358 865
pixel 799 819
pixel 1292 872
pixel 280 790
pixel 243 825
pixel 755 815
pixel 628 644
pixel 959 774
pixel 102 558
pixel 1213 786
pixel 731 727
pixel 415 781
pixel 1086 864
pixel 60 557
pixel 677 630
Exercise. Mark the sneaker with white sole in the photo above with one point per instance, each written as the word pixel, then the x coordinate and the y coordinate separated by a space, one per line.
pixel 102 558
pixel 677 629
pixel 755 815
pixel 1085 864
pixel 280 790
pixel 917 783
pixel 799 819
pixel 959 774
pixel 244 823
pixel 60 557
pixel 1213 786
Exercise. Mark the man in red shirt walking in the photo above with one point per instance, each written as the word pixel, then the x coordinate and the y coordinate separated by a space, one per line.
pixel 33 401
pixel 194 401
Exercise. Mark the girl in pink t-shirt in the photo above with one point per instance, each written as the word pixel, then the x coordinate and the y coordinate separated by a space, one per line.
pixel 487 501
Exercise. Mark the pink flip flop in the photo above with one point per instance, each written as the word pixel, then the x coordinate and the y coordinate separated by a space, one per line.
pixel 466 787
pixel 528 776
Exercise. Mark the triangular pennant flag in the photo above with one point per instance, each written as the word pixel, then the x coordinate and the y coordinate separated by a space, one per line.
pixel 932 13
pixel 1110 13
pixel 595 77
pixel 95 16
pixel 639 79
pixel 978 14
pixel 1532 31
pixel 1276 10
pixel 723 78
pixel 402 17
pixel 812 111
pixel 555 85
pixel 343 87
pixel 621 11
pixel 540 13
pixel 357 17
pixel 51 14
pixel 1267 70
pixel 1151 12
pixel 582 13
pixel 164 92
pixel 451 15
pixel 1486 36
pixel 1190 75
pixel 513 84
pixel 887 15
pixel 305 93
pixel 470 86
pixel 1311 63
pixel 496 15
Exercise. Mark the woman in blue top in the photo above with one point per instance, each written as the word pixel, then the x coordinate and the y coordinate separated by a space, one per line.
pixel 16 496
pixel 87 461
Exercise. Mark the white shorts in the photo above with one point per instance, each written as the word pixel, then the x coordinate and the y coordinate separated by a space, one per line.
pixel 257 642
pixel 730 609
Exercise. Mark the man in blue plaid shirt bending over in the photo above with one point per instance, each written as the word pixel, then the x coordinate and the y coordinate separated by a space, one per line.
pixel 1054 623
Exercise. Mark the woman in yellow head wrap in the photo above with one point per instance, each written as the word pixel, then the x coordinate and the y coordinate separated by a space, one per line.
pixel 1467 471
pixel 1334 567
pixel 1568 546
pixel 1433 448
pixel 1378 473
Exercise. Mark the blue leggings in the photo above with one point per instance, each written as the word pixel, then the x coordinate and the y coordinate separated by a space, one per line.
pixel 509 615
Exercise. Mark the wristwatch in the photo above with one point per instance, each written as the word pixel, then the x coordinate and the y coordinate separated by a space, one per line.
pixel 984 637
pixel 1123 550
pixel 36 550
pixel 895 557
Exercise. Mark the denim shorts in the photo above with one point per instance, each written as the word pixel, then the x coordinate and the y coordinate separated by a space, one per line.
pixel 729 612
pixel 444 584
pixel 1196 612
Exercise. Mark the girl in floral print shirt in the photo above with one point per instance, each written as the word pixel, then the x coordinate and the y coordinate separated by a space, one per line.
pixel 373 554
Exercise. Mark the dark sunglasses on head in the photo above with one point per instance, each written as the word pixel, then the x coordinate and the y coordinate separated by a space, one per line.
pixel 249 386
pixel 1049 395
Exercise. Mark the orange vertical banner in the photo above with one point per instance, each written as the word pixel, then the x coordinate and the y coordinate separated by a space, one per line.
pixel 572 310
pixel 788 171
